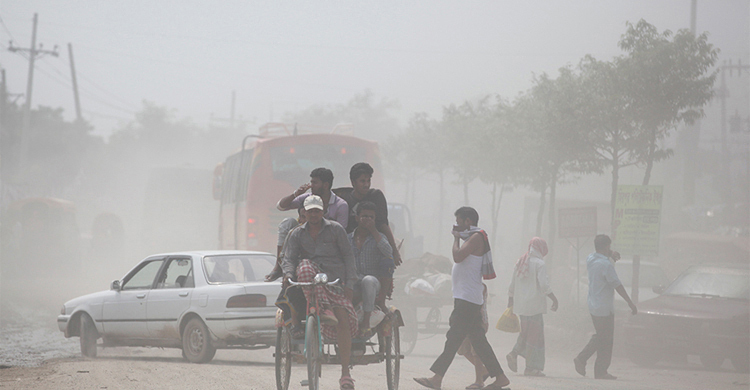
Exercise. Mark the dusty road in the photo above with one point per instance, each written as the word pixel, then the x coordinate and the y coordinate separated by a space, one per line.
pixel 36 356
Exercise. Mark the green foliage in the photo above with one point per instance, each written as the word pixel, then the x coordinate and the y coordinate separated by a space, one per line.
pixel 57 150
pixel 668 80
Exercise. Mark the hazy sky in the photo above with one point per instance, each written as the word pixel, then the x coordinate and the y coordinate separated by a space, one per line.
pixel 286 55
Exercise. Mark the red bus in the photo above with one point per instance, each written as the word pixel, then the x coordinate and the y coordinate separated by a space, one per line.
pixel 273 164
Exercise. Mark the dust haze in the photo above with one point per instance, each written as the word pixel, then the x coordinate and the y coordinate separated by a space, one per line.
pixel 169 90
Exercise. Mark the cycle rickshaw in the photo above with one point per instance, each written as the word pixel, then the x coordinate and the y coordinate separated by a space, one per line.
pixel 423 308
pixel 315 350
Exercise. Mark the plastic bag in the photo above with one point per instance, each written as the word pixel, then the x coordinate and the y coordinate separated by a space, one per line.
pixel 509 322
pixel 420 287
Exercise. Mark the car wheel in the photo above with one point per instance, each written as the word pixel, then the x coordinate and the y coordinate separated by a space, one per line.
pixel 196 342
pixel 88 336
pixel 712 362
pixel 741 362
pixel 644 358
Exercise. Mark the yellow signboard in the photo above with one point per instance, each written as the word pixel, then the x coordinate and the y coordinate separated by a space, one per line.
pixel 637 220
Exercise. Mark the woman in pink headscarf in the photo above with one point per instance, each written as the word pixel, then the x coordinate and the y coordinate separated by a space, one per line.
pixel 527 295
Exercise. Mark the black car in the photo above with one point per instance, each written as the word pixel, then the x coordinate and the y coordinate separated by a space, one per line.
pixel 704 312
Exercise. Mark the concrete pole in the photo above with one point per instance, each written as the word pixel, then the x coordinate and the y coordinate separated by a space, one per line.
pixel 26 128
pixel 75 82
pixel 231 116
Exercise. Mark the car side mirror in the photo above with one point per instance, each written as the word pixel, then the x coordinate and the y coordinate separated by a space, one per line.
pixel 658 289
pixel 115 285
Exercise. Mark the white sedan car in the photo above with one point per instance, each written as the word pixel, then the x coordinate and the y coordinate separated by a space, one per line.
pixel 196 301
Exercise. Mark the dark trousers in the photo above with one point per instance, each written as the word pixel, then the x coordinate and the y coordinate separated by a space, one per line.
pixel 466 321
pixel 601 343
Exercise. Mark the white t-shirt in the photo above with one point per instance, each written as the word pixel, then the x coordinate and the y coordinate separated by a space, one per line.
pixel 530 292
pixel 467 280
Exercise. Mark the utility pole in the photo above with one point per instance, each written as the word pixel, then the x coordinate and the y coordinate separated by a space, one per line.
pixel 726 160
pixel 75 83
pixel 231 115
pixel 239 123
pixel 33 53
pixel 692 134
pixel 3 99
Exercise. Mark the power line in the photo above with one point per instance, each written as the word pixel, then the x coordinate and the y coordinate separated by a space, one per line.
pixel 114 96
pixel 33 53
pixel 91 95
pixel 6 29
pixel 108 116
pixel 94 84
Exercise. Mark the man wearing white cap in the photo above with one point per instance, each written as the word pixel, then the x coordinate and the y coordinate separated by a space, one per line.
pixel 320 245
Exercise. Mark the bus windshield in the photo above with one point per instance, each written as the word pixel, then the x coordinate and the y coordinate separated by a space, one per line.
pixel 250 182
pixel 293 164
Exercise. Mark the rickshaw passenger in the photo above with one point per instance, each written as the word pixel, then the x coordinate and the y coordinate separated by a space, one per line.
pixel 320 245
pixel 373 256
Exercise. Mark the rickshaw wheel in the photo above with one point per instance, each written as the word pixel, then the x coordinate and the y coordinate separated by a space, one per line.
pixel 410 329
pixel 393 357
pixel 283 357
pixel 432 320
pixel 312 352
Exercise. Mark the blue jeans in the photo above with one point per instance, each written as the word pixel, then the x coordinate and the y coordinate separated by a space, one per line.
pixel 369 287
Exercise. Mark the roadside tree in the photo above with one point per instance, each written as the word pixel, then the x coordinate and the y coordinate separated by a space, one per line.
pixel 668 79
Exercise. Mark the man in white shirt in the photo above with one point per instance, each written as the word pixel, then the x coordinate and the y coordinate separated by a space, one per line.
pixel 466 318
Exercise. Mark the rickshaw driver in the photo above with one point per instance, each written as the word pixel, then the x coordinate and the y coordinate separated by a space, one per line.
pixel 320 245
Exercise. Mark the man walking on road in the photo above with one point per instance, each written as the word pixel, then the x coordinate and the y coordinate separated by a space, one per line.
pixel 466 318
pixel 603 282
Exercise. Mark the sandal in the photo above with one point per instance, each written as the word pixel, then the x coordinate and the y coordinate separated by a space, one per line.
pixel 475 386
pixel 275 274
pixel 533 372
pixel 512 362
pixel 346 383
pixel 426 383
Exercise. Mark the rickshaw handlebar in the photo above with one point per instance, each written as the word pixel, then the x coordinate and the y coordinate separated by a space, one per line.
pixel 313 283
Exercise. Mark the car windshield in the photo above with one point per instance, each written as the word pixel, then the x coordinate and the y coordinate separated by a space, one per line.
pixel 238 268
pixel 722 283
pixel 649 275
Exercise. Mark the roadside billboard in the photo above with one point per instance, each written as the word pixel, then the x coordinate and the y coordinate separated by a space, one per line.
pixel 637 220
pixel 577 222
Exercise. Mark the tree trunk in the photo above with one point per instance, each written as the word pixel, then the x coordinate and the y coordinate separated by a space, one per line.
pixel 540 213
pixel 440 234
pixel 414 177
pixel 496 200
pixel 613 198
pixel 552 220
pixel 650 157
pixel 466 190
pixel 406 194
